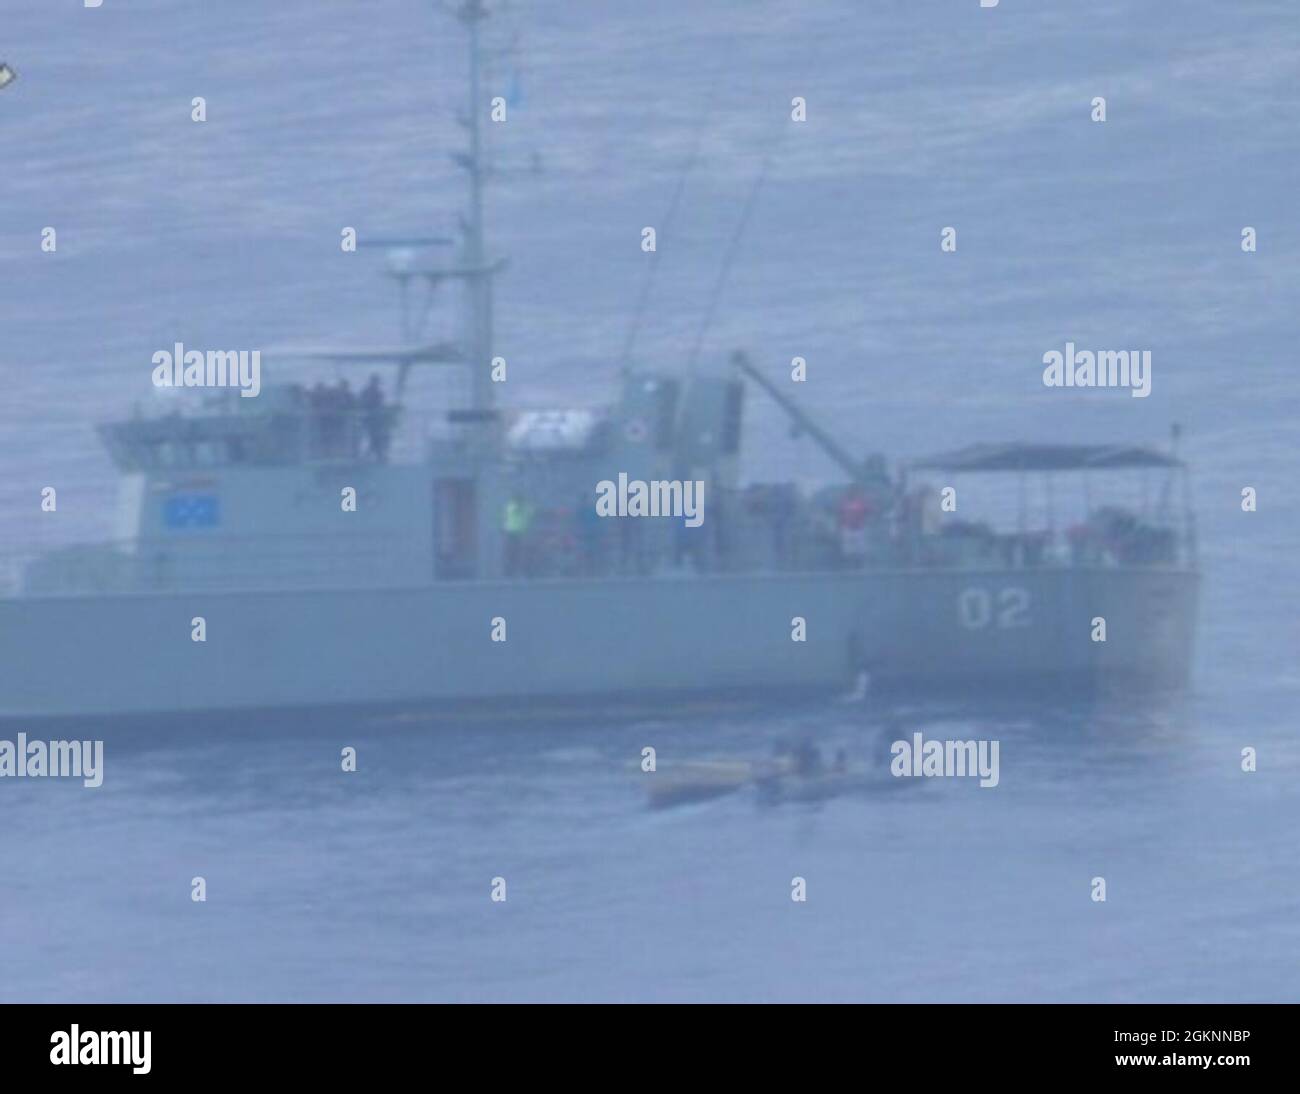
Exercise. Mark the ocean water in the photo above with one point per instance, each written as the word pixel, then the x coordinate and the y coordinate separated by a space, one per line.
pixel 921 115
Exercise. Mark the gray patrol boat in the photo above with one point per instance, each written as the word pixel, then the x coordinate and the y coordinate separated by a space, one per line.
pixel 309 549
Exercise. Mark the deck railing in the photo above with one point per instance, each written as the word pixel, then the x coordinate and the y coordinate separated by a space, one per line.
pixel 558 546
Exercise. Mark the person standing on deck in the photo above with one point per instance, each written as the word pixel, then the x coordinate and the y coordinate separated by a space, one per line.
pixel 515 524
pixel 852 520
pixel 590 530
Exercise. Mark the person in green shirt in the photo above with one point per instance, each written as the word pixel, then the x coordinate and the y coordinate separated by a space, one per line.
pixel 516 522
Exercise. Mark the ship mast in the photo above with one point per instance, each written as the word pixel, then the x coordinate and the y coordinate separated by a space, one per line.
pixel 477 272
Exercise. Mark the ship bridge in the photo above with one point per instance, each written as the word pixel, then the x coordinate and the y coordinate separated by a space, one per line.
pixel 286 424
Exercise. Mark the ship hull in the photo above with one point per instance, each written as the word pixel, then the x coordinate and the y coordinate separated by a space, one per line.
pixel 599 644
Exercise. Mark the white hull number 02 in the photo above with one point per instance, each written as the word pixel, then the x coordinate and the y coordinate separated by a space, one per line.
pixel 978 608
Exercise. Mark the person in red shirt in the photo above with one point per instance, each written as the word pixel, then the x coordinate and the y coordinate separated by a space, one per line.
pixel 854 509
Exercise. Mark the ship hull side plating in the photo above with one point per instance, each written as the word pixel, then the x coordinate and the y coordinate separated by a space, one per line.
pixel 925 631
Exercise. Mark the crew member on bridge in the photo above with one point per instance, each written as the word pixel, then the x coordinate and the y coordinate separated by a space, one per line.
pixel 317 406
pixel 345 409
pixel 375 417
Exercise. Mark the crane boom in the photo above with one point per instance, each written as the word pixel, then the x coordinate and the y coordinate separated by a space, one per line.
pixel 853 468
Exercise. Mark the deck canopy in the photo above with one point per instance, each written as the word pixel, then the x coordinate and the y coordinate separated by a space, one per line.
pixel 1017 456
